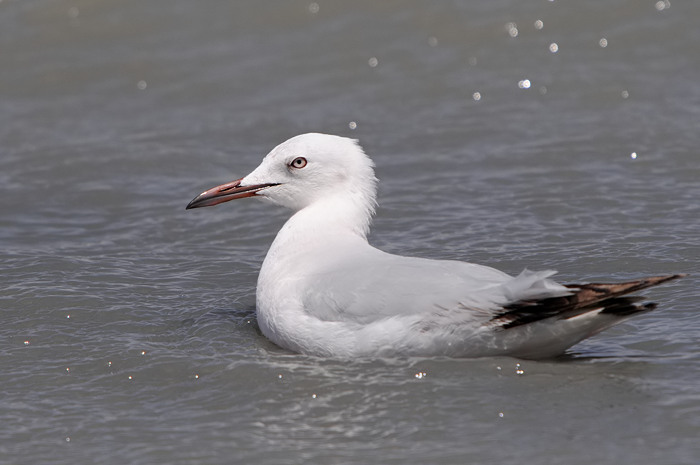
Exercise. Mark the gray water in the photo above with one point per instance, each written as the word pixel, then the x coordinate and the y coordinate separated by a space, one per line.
pixel 128 328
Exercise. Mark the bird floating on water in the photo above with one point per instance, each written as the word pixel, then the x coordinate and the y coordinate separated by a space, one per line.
pixel 323 290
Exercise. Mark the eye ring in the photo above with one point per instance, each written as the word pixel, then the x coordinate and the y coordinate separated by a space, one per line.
pixel 298 163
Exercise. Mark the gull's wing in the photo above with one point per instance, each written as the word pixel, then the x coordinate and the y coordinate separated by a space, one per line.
pixel 606 298
pixel 370 285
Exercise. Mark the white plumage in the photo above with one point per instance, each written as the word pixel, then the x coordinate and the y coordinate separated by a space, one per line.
pixel 324 290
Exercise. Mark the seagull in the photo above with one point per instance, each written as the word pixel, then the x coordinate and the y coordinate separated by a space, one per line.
pixel 324 291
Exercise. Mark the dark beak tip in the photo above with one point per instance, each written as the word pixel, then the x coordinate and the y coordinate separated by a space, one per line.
pixel 226 192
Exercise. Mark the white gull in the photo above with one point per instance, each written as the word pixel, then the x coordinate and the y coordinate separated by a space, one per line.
pixel 324 290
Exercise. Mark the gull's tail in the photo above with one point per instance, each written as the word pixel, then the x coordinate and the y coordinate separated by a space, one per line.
pixel 541 328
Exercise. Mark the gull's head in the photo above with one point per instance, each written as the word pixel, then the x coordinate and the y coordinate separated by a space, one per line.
pixel 302 171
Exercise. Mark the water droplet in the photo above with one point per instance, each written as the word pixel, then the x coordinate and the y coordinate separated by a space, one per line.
pixel 313 396
pixel 476 96
pixel 141 85
pixel 143 352
pixel 432 41
pixel 524 84
pixel 26 343
pixel 543 90
pixel 131 377
pixel 624 94
pixel 68 439
pixel 512 29
pixel 421 375
pixel 539 24
pixel 603 42
pixel 553 47
pixel 196 376
pixel 472 61
pixel 68 316
pixel 662 5
pixel 500 414
pixel 313 8
pixel 373 62
pixel 633 155
pixel 67 369
pixel 352 125
pixel 109 364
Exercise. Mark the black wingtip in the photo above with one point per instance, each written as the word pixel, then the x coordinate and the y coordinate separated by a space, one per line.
pixel 609 296
pixel 625 306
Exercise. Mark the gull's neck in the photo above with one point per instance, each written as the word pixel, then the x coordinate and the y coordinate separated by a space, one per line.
pixel 313 234
pixel 334 215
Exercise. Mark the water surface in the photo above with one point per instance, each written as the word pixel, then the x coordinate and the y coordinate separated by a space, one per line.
pixel 558 135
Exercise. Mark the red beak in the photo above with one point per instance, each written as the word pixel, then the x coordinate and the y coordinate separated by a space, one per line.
pixel 225 192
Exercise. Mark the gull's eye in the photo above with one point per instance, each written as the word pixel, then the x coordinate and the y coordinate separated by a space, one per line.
pixel 298 162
